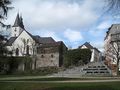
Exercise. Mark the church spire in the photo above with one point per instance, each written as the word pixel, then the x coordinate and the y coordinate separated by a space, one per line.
pixel 18 22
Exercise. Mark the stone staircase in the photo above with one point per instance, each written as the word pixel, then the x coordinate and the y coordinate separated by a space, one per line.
pixel 91 69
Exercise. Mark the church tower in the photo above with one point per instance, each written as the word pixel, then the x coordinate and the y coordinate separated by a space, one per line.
pixel 18 26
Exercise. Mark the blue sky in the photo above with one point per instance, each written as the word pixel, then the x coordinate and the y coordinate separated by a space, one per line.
pixel 72 21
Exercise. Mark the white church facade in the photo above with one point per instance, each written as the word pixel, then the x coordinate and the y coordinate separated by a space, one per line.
pixel 21 42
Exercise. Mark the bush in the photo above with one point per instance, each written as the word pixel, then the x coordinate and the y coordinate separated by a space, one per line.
pixel 40 71
pixel 77 57
pixel 45 70
pixel 9 65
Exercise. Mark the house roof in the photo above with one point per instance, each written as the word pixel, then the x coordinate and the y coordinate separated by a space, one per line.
pixel 47 40
pixel 87 44
pixel 96 49
pixel 10 41
pixel 44 39
pixel 55 44
pixel 18 22
pixel 114 29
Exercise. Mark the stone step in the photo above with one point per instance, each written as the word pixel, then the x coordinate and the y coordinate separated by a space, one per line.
pixel 95 68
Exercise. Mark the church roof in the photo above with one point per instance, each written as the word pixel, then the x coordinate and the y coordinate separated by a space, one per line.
pixel 38 39
pixel 10 41
pixel 18 22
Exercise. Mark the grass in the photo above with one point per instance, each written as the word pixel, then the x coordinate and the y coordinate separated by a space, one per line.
pixel 60 86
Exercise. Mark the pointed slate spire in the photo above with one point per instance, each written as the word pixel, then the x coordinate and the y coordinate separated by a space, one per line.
pixel 18 22
pixel 21 22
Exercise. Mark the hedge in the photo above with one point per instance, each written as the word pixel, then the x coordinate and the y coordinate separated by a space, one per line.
pixel 77 57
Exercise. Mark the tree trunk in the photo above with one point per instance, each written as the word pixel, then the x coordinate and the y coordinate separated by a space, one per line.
pixel 117 67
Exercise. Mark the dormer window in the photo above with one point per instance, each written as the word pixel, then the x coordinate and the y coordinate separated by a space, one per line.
pixel 15 30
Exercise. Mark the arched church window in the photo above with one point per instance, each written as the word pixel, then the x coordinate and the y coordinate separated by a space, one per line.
pixel 17 51
pixel 42 56
pixel 52 56
pixel 27 50
pixel 27 40
pixel 15 30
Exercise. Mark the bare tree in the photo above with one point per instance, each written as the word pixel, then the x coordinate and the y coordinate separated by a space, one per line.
pixel 33 51
pixel 4 8
pixel 24 47
pixel 115 49
pixel 113 6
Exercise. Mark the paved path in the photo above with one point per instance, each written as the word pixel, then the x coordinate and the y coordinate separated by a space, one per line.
pixel 23 77
pixel 35 77
pixel 68 81
pixel 92 79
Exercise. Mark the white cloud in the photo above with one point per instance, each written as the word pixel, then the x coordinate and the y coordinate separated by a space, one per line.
pixel 98 44
pixel 100 29
pixel 73 35
pixel 60 14
pixel 97 33
pixel 50 34
pixel 104 25
pixel 47 17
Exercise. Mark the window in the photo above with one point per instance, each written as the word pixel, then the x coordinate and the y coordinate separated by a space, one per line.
pixel 27 40
pixel 17 51
pixel 42 56
pixel 51 61
pixel 27 50
pixel 52 56
pixel 15 30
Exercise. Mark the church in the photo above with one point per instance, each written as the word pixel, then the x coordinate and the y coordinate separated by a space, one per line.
pixel 47 51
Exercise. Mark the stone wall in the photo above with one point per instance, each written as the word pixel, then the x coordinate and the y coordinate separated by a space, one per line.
pixel 48 59
pixel 50 54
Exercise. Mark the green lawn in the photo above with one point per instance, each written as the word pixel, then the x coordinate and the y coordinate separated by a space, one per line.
pixel 59 86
